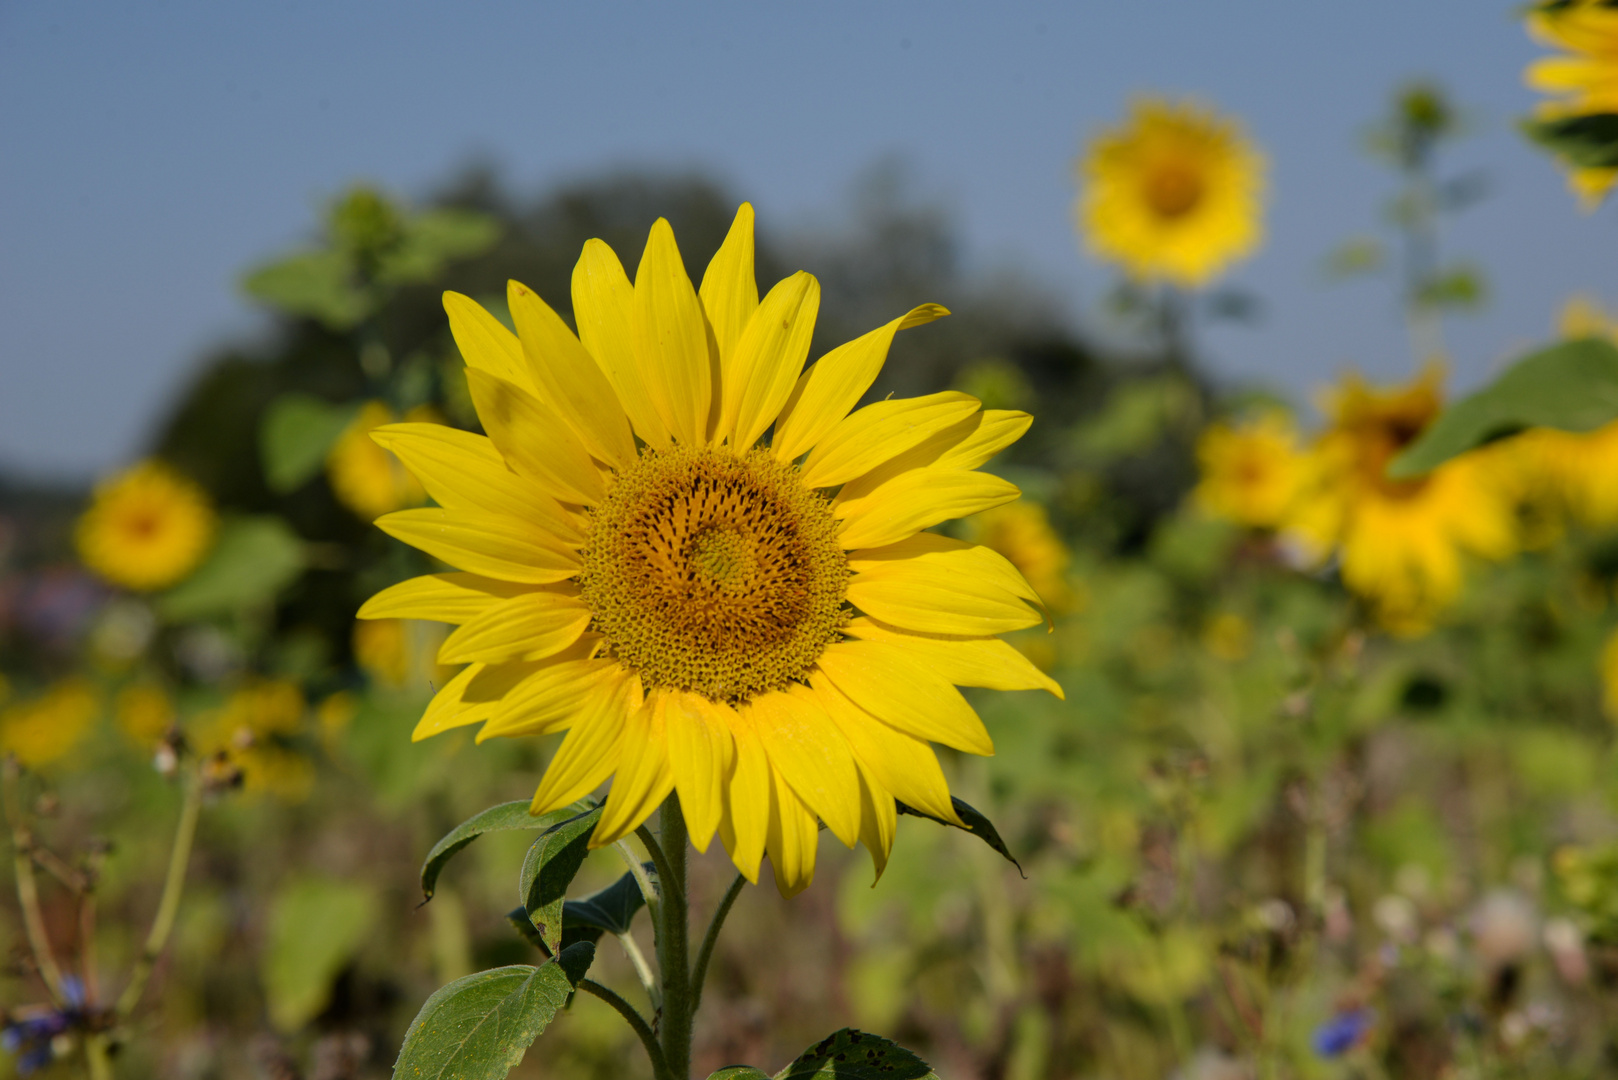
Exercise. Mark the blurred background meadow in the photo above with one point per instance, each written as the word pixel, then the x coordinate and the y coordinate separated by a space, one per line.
pixel 1333 792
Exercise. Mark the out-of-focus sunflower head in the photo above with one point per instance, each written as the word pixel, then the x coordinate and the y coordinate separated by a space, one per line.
pixel 366 478
pixel 1583 79
pixel 1174 194
pixel 1251 471
pixel 45 729
pixel 1022 532
pixel 255 734
pixel 400 653
pixel 146 528
pixel 145 713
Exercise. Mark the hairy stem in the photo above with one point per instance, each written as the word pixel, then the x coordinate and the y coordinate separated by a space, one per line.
pixel 169 904
pixel 22 861
pixel 660 859
pixel 643 1031
pixel 673 945
pixel 699 974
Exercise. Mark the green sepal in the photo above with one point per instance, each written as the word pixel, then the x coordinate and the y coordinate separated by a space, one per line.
pixel 479 1027
pixel 297 432
pixel 253 558
pixel 548 869
pixel 1572 386
pixel 855 1055
pixel 502 818
pixel 1588 141
pixel 976 823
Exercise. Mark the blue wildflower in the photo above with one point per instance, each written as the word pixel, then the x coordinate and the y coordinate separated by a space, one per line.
pixel 1342 1032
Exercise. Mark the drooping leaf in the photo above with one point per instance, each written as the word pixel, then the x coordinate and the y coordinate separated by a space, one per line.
pixel 297 431
pixel 479 1027
pixel 1572 385
pixel 502 818
pixel 548 869
pixel 612 909
pixel 253 558
pixel 316 927
pixel 739 1072
pixel 315 284
pixel 976 824
pixel 1587 142
pixel 855 1055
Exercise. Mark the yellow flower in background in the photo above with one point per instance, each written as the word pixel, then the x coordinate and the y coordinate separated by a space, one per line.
pixel 1251 471
pixel 1175 194
pixel 1584 79
pixel 398 653
pixel 1021 531
pixel 764 627
pixel 146 528
pixel 364 477
pixel 255 731
pixel 45 729
pixel 1402 543
pixel 144 712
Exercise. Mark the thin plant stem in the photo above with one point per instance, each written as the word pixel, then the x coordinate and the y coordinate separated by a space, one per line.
pixel 648 891
pixel 22 847
pixel 654 992
pixel 643 1030
pixel 98 1056
pixel 699 974
pixel 169 904
pixel 673 945
pixel 87 949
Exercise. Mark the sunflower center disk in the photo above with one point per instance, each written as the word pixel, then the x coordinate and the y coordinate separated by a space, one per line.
pixel 715 573
pixel 1173 189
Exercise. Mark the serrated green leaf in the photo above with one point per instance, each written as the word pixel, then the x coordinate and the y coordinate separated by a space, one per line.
pixel 612 909
pixel 855 1055
pixel 1572 386
pixel 503 818
pixel 479 1027
pixel 976 824
pixel 253 558
pixel 739 1072
pixel 548 869
pixel 295 435
pixel 315 284
pixel 1588 142
pixel 316 927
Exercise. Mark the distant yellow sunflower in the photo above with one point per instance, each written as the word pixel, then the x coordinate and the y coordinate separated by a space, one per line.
pixel 1251 470
pixel 1586 81
pixel 1173 195
pixel 45 729
pixel 1022 532
pixel 146 528
pixel 1402 543
pixel 257 732
pixel 145 712
pixel 764 627
pixel 363 476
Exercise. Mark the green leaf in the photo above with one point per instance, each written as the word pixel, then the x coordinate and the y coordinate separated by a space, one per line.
pixel 739 1072
pixel 1572 386
pixel 297 431
pixel 316 927
pixel 612 909
pixel 316 284
pixel 1587 142
pixel 976 824
pixel 548 869
pixel 502 818
pixel 253 558
pixel 1459 287
pixel 432 239
pixel 479 1027
pixel 855 1055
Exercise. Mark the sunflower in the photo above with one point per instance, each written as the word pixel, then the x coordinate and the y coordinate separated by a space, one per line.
pixel 257 734
pixel 46 728
pixel 764 627
pixel 146 528
pixel 1251 470
pixel 1402 543
pixel 1174 195
pixel 1585 82
pixel 362 475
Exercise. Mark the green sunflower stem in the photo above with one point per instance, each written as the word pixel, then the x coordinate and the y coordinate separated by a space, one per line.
pixel 673 946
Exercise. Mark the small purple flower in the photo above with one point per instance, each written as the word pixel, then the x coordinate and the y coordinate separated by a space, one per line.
pixel 29 1039
pixel 1342 1032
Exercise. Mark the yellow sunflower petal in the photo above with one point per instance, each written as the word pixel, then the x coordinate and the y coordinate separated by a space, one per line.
pixel 700 753
pixel 729 290
pixel 671 339
pixel 988 662
pixel 472 696
pixel 449 598
pixel 568 380
pixel 767 360
pixel 901 690
pixel 551 697
pixel 915 500
pixel 643 779
pixel 828 390
pixel 746 822
pixel 937 585
pixel 879 821
pixel 905 765
pixel 882 430
pixel 460 469
pixel 604 307
pixel 485 344
pixel 531 626
pixel 965 445
pixel 535 440
pixel 807 749
pixel 493 545
pixel 792 838
pixel 589 753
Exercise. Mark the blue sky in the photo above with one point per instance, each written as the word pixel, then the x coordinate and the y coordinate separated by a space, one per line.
pixel 151 151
